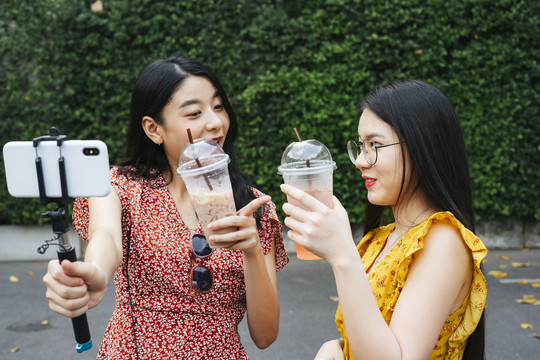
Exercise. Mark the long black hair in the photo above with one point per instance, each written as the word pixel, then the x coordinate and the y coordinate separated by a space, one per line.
pixel 425 120
pixel 153 90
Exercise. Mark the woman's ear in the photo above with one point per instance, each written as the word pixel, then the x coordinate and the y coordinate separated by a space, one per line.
pixel 152 130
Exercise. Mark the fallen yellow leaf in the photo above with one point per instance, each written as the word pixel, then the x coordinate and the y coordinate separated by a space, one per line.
pixel 520 264
pixel 30 273
pixel 522 282
pixel 526 326
pixel 334 298
pixel 504 257
pixel 497 274
pixel 45 322
pixel 14 350
pixel 535 285
pixel 13 279
pixel 503 266
pixel 528 299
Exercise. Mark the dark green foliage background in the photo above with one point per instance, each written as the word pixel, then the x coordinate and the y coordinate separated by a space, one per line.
pixel 284 64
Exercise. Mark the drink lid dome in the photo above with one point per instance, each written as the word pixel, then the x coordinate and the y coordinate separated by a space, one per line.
pixel 201 154
pixel 316 153
pixel 201 148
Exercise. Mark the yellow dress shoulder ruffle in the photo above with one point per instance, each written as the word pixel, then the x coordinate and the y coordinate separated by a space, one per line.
pixel 389 276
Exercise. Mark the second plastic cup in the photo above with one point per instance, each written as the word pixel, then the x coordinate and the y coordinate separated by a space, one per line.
pixel 315 179
pixel 207 182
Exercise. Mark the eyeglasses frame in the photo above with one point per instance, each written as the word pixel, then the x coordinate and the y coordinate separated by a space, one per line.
pixel 364 151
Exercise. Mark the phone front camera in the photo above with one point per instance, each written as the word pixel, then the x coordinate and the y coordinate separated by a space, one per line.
pixel 91 151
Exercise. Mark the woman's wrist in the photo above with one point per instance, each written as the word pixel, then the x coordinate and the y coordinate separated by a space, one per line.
pixel 344 260
pixel 254 251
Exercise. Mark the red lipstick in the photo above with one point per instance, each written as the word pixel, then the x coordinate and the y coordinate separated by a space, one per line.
pixel 369 181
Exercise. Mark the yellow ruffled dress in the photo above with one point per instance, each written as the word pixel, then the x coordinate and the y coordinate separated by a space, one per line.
pixel 388 278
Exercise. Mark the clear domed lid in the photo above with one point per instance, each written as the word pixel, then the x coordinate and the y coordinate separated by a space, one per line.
pixel 305 150
pixel 315 152
pixel 200 149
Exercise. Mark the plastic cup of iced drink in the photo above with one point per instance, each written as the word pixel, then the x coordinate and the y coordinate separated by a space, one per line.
pixel 203 167
pixel 313 176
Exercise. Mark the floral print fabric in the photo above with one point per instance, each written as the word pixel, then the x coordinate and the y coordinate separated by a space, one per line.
pixel 389 276
pixel 170 321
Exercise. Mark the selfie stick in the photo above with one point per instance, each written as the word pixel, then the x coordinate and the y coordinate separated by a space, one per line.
pixel 60 227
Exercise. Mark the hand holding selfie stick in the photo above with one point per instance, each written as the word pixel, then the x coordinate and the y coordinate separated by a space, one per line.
pixel 60 227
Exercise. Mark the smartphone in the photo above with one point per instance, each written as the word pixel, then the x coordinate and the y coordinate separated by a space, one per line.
pixel 86 165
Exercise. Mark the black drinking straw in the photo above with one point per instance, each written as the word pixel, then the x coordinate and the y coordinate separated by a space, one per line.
pixel 197 159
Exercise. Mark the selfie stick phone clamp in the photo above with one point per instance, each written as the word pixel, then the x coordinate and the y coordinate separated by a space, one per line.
pixel 60 227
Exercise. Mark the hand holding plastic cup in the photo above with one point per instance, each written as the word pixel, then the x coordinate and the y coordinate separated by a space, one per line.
pixel 308 166
pixel 203 166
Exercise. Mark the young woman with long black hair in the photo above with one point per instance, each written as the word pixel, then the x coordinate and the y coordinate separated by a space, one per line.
pixel 147 234
pixel 412 289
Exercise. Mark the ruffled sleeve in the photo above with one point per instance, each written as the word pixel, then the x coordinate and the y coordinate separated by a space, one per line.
pixel 475 302
pixel 81 216
pixel 389 277
pixel 272 231
pixel 478 291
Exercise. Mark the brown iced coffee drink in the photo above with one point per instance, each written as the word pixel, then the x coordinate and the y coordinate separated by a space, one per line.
pixel 203 165
pixel 213 205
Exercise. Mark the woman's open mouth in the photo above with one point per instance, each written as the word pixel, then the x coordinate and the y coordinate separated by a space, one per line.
pixel 218 139
pixel 369 181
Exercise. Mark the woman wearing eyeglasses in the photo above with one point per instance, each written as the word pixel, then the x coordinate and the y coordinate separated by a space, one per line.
pixel 413 289
pixel 176 298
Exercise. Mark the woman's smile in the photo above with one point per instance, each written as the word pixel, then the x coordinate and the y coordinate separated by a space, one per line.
pixel 218 140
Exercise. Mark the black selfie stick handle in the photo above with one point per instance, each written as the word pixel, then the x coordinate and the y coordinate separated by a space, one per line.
pixel 80 323
pixel 60 225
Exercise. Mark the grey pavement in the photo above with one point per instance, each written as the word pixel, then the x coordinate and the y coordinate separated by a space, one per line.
pixel 306 290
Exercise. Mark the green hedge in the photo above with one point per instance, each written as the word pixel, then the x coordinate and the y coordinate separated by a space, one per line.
pixel 285 64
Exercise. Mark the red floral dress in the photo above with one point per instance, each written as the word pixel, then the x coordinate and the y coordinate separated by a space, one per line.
pixel 169 321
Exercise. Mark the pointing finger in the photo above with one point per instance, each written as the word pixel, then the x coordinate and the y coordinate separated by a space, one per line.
pixel 250 208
